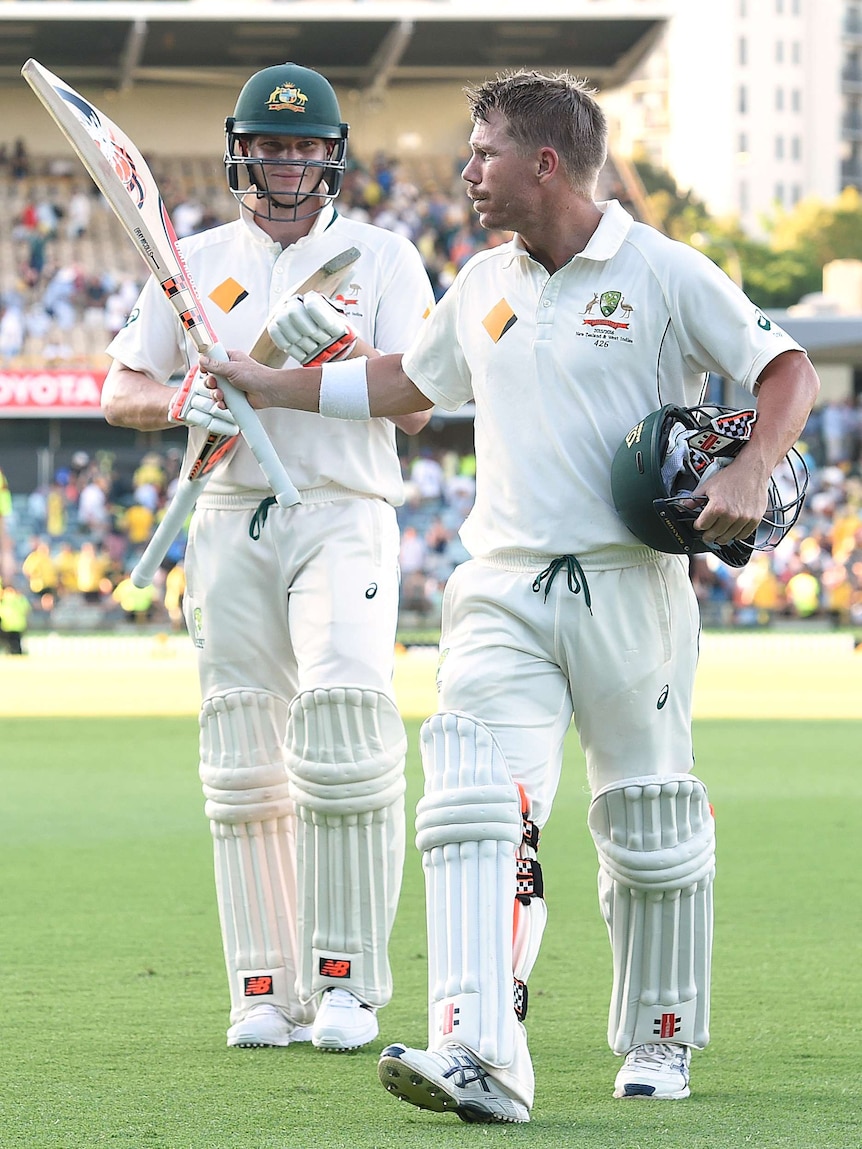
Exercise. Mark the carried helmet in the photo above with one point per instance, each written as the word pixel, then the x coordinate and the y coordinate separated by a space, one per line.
pixel 660 463
pixel 286 100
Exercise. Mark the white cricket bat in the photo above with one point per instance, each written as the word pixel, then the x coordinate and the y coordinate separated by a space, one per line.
pixel 123 176
pixel 327 279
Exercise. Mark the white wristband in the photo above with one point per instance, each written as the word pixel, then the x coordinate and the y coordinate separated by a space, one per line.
pixel 344 389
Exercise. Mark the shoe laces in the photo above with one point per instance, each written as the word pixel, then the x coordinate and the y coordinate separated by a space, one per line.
pixel 656 1053
pixel 343 997
pixel 464 1070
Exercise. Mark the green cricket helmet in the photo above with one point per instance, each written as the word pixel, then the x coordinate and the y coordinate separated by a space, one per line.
pixel 661 462
pixel 286 100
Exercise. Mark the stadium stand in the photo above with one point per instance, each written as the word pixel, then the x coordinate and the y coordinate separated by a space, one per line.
pixel 69 272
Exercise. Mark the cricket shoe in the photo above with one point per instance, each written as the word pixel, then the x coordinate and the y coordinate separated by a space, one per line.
pixel 659 1071
pixel 266 1025
pixel 342 1022
pixel 448 1080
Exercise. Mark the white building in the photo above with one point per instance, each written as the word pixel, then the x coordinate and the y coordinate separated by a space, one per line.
pixel 751 104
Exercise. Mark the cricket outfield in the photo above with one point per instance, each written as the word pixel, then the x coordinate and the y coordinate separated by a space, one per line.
pixel 741 675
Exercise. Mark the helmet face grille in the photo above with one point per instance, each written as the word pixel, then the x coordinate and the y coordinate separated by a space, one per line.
pixel 285 100
pixel 661 462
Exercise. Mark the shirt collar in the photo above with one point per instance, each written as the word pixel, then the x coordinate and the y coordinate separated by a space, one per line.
pixel 608 237
pixel 324 219
pixel 605 241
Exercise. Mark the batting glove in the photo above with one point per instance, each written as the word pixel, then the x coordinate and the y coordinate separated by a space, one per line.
pixel 194 405
pixel 311 330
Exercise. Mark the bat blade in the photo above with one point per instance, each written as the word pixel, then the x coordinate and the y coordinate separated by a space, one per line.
pixel 326 279
pixel 123 176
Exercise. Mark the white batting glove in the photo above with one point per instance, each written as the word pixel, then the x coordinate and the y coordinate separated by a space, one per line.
pixel 310 330
pixel 194 405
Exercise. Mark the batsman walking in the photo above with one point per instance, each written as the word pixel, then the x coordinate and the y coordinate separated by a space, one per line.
pixel 562 612
pixel 293 610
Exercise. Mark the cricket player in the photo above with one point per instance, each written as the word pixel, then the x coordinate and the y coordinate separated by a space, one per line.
pixel 293 611
pixel 565 337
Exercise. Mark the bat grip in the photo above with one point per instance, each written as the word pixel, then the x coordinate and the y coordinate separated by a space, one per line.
pixel 181 506
pixel 258 441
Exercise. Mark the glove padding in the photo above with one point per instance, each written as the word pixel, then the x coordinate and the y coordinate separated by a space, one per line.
pixel 311 330
pixel 194 405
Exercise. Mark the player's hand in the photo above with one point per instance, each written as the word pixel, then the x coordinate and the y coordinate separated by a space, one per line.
pixel 195 405
pixel 732 502
pixel 260 383
pixel 311 330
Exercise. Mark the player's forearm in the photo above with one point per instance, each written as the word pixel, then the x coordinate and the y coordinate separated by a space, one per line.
pixel 412 424
pixel 133 399
pixel 787 390
pixel 379 381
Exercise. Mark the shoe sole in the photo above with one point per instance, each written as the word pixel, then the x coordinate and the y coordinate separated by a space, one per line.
pixel 334 1042
pixel 339 1048
pixel 639 1093
pixel 409 1085
pixel 258 1044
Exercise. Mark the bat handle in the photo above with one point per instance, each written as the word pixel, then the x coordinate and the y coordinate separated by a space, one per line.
pixel 173 521
pixel 257 439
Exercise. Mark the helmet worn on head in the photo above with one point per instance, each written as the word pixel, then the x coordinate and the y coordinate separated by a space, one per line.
pixel 287 100
pixel 660 463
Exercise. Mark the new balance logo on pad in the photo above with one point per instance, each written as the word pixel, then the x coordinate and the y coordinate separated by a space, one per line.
pixel 334 967
pixel 257 986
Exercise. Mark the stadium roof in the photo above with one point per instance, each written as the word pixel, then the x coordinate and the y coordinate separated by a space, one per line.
pixel 826 338
pixel 367 44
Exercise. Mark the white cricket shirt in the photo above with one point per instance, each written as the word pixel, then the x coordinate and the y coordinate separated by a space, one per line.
pixel 563 366
pixel 240 273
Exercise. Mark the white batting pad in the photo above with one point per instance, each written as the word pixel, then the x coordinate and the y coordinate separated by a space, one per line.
pixel 655 839
pixel 345 755
pixel 468 827
pixel 252 822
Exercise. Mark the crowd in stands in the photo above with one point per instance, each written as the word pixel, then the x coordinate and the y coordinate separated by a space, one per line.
pixel 77 540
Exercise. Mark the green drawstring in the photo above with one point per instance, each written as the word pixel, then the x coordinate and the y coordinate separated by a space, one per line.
pixel 258 519
pixel 575 578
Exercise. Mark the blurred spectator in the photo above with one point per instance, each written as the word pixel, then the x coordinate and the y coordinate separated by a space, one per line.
pixel 7 552
pixel 838 425
pixel 20 162
pixel 460 494
pixel 56 519
pixel 148 482
pixel 66 562
pixel 837 590
pixel 137 524
pixel 187 217
pixel 40 570
pixel 5 498
pixel 803 594
pixel 12 332
pixel 92 568
pixel 413 552
pixel 427 474
pixel 136 602
pixel 14 613
pixel 93 514
pixel 175 588
pixel 78 214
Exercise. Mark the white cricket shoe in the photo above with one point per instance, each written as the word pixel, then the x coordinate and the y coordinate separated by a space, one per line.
pixel 659 1071
pixel 342 1022
pixel 448 1080
pixel 266 1025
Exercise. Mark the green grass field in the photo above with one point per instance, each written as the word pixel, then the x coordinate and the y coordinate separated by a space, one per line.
pixel 114 1002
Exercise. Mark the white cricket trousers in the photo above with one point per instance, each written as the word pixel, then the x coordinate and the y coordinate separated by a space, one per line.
pixel 526 666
